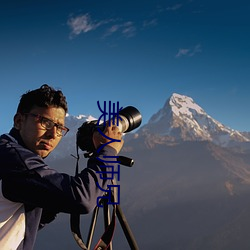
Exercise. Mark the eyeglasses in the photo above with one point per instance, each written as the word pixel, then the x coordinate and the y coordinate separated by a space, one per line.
pixel 49 124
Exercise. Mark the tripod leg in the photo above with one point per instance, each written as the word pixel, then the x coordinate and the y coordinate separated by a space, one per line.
pixel 106 215
pixel 92 227
pixel 126 229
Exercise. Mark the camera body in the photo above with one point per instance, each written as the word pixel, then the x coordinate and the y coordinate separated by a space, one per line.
pixel 129 119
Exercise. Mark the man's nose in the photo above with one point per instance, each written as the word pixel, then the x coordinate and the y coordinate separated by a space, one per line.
pixel 52 132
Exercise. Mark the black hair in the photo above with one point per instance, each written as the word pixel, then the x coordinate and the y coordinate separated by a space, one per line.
pixel 44 96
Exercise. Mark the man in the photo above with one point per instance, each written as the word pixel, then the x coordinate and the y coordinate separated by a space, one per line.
pixel 28 187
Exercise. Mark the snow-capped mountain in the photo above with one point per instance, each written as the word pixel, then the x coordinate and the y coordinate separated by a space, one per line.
pixel 181 176
pixel 182 119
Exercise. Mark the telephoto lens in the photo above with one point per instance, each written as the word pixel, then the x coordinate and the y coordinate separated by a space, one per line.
pixel 129 119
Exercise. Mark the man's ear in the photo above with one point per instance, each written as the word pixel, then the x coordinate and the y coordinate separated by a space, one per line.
pixel 18 119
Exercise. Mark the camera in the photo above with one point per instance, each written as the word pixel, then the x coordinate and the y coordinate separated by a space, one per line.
pixel 129 119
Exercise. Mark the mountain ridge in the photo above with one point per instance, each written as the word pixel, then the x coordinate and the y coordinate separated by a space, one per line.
pixel 182 119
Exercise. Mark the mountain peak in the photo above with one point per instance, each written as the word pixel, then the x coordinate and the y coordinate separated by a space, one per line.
pixel 182 104
pixel 182 119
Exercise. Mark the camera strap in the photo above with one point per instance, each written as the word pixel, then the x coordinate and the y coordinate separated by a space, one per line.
pixel 75 229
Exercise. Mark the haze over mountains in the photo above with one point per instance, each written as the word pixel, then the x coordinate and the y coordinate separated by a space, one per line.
pixel 188 189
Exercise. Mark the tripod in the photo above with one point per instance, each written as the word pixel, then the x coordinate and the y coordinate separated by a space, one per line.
pixel 106 240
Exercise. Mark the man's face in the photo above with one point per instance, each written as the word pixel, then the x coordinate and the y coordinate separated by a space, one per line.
pixel 35 137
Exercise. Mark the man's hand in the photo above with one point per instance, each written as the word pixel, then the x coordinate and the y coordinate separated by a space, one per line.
pixel 111 132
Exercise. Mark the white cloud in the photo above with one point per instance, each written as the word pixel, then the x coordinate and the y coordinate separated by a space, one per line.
pixel 197 49
pixel 83 24
pixel 182 52
pixel 127 29
pixel 150 23
pixel 174 7
pixel 189 52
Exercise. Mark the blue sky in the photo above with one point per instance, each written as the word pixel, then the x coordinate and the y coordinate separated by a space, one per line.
pixel 135 52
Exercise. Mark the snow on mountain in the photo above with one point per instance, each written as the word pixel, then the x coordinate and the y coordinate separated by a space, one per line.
pixel 67 146
pixel 74 122
pixel 182 119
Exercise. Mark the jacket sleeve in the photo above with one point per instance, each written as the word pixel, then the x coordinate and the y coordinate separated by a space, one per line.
pixel 27 179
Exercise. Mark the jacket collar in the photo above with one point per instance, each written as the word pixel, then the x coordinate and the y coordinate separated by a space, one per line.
pixel 15 134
